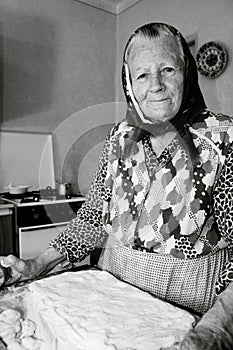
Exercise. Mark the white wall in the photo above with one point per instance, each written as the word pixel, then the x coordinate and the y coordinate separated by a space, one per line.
pixel 63 58
pixel 209 19
pixel 26 159
pixel 58 58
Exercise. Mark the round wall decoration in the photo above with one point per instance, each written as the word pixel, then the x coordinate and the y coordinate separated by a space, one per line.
pixel 211 59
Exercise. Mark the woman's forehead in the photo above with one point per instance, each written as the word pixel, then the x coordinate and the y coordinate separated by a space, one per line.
pixel 165 46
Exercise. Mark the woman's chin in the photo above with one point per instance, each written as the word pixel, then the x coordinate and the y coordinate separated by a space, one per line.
pixel 157 117
pixel 158 121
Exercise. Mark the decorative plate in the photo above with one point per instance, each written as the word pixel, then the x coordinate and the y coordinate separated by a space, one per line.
pixel 211 59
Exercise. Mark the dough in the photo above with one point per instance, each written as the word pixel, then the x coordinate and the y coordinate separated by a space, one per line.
pixel 7 332
pixel 28 328
pixel 31 343
pixel 10 316
pixel 15 345
pixel 18 326
pixel 16 331
pixel 93 310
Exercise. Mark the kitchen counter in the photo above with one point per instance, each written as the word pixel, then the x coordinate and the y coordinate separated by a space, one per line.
pixel 5 205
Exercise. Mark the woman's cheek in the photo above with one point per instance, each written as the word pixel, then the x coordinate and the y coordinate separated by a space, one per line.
pixel 180 85
pixel 139 92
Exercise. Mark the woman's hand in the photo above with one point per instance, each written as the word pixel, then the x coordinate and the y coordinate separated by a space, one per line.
pixel 199 338
pixel 20 269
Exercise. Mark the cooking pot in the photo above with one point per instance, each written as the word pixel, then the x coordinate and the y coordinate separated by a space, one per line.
pixel 17 189
pixel 63 188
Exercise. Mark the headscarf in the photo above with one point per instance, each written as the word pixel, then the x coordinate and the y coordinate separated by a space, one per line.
pixel 192 103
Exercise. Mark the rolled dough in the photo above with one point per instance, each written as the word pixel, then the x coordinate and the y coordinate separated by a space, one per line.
pixel 93 310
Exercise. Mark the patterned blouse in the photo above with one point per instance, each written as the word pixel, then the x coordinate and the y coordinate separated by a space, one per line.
pixel 198 197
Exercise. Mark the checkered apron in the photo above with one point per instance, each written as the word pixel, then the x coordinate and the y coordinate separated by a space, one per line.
pixel 189 283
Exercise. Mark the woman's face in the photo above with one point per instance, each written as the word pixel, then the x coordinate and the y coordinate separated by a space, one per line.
pixel 157 74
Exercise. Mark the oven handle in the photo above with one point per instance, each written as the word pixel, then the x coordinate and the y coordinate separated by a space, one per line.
pixel 38 227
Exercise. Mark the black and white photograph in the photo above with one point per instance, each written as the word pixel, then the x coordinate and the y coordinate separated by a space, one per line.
pixel 116 175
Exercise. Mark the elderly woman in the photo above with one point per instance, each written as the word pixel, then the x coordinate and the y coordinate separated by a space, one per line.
pixel 161 196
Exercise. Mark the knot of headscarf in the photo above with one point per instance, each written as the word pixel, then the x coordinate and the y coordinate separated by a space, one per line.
pixel 192 103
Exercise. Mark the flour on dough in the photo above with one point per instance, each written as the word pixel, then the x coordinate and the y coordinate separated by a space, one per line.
pixel 89 310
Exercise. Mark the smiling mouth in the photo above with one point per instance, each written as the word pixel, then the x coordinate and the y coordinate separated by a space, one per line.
pixel 158 101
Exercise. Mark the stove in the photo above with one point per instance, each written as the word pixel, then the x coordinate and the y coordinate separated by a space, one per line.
pixel 39 216
pixel 39 197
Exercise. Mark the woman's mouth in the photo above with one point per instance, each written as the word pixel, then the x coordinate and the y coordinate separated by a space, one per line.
pixel 157 101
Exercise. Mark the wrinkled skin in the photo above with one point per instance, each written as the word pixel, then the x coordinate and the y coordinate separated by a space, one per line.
pixel 201 338
pixel 157 73
pixel 29 269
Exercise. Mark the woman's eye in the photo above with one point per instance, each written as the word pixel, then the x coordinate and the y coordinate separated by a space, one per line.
pixel 167 71
pixel 142 76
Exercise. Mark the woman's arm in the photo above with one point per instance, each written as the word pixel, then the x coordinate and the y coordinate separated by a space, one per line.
pixel 86 232
pixel 215 330
pixel 28 269
pixel 223 199
pixel 82 235
pixel 223 213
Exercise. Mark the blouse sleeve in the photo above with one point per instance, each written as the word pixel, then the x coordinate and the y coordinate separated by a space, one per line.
pixel 85 232
pixel 223 198
pixel 223 207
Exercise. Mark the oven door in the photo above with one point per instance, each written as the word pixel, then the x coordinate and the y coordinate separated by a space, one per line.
pixel 33 240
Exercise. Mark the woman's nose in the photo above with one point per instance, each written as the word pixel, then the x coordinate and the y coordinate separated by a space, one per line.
pixel 156 83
